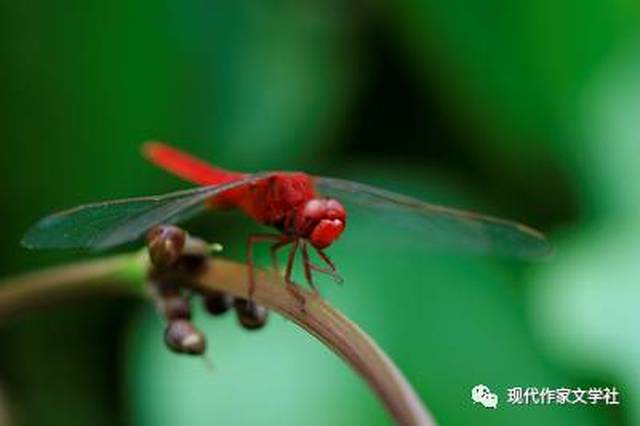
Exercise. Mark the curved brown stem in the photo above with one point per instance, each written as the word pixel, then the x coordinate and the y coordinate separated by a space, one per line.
pixel 49 287
pixel 333 329
pixel 126 275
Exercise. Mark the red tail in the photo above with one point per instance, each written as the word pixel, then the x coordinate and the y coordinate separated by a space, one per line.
pixel 185 166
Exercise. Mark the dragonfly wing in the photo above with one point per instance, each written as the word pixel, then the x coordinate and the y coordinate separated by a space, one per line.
pixel 110 223
pixel 440 225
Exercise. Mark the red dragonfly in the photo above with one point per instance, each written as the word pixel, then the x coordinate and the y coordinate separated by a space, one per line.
pixel 303 208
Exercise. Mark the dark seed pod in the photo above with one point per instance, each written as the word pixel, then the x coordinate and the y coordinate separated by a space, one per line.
pixel 166 244
pixel 166 289
pixel 176 307
pixel 217 302
pixel 181 336
pixel 191 264
pixel 251 315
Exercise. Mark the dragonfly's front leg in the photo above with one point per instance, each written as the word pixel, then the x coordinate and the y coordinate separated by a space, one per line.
pixel 306 262
pixel 291 286
pixel 331 271
pixel 274 253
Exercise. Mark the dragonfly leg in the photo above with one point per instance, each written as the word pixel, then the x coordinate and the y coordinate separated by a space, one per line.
pixel 331 271
pixel 285 240
pixel 291 286
pixel 333 274
pixel 292 256
pixel 306 262
pixel 251 241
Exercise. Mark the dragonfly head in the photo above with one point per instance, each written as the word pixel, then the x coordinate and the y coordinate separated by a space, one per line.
pixel 321 221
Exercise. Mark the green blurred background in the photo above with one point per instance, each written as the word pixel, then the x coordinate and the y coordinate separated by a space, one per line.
pixel 524 110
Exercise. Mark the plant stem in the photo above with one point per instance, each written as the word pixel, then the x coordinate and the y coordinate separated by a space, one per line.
pixel 126 275
pixel 51 286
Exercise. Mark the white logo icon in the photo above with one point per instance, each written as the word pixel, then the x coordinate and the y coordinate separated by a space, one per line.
pixel 480 394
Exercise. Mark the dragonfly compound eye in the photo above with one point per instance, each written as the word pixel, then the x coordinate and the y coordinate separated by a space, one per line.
pixel 251 315
pixel 321 220
pixel 181 336
pixel 326 232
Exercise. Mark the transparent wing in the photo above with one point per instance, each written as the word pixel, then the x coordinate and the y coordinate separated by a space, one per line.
pixel 110 223
pixel 440 225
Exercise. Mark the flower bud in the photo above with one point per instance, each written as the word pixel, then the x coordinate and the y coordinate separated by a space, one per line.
pixel 176 307
pixel 181 336
pixel 217 302
pixel 166 244
pixel 166 288
pixel 191 264
pixel 251 315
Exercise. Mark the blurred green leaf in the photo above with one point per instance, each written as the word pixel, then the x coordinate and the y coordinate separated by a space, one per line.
pixel 268 81
pixel 514 73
